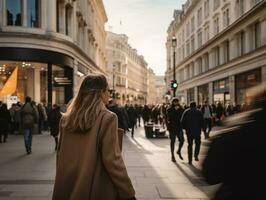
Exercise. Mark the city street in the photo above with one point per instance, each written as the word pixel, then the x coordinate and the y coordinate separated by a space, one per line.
pixel 31 177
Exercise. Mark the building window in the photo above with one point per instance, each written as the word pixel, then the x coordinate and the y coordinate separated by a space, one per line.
pixel 216 4
pixel 192 70
pixel 192 24
pixel 68 19
pixel 242 43
pixel 200 65
pixel 199 16
pixel 226 51
pixel 188 48
pixel 33 13
pixel 226 18
pixel 216 25
pixel 217 56
pixel 57 16
pixel 199 39
pixel 192 44
pixel 240 7
pixel 206 61
pixel 254 2
pixel 207 33
pixel 13 11
pixel 206 8
pixel 188 27
pixel 183 51
pixel 257 35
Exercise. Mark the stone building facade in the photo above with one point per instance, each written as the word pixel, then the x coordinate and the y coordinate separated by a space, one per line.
pixel 220 52
pixel 151 98
pixel 53 44
pixel 160 90
pixel 127 70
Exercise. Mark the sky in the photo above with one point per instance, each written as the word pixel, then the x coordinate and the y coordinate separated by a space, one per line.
pixel 145 22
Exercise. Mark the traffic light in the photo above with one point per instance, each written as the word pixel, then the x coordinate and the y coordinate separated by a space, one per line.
pixel 174 84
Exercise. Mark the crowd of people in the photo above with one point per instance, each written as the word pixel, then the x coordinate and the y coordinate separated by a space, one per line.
pixel 28 119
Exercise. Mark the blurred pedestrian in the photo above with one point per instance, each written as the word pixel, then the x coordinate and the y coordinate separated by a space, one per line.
pixel 29 117
pixel 207 116
pixel 192 122
pixel 132 116
pixel 42 117
pixel 89 160
pixel 174 114
pixel 54 119
pixel 5 122
pixel 236 157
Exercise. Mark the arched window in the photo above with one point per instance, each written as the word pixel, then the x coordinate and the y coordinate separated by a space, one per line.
pixel 13 12
pixel 33 13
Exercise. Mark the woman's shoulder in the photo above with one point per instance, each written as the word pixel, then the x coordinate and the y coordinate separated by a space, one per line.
pixel 108 115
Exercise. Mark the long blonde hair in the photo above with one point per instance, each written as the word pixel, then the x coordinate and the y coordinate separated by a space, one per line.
pixel 86 106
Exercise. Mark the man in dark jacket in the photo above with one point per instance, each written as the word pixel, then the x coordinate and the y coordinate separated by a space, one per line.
pixel 192 122
pixel 174 114
pixel 5 121
pixel 29 117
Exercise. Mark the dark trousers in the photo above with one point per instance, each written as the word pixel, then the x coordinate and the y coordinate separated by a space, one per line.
pixel 190 146
pixel 207 127
pixel 28 139
pixel 180 135
pixel 4 136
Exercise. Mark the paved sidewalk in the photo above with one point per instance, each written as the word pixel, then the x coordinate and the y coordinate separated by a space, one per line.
pixel 31 177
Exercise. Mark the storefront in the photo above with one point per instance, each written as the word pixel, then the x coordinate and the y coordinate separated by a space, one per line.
pixel 190 95
pixel 45 76
pixel 221 91
pixel 203 93
pixel 245 81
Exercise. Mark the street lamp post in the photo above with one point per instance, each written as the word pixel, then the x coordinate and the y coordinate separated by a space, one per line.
pixel 174 55
pixel 113 95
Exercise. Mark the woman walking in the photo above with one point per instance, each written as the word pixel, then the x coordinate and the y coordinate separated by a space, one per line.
pixel 89 161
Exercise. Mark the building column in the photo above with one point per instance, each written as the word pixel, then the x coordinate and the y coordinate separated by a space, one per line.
pixel 51 15
pixel 263 74
pixel 196 98
pixel 210 93
pixel 24 13
pixel 2 9
pixel 44 14
pixel 50 83
pixel 37 85
pixel 232 90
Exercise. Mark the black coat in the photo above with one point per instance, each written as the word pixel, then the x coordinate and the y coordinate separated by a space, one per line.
pixel 237 158
pixel 5 120
pixel 192 121
pixel 173 118
pixel 54 118
pixel 132 116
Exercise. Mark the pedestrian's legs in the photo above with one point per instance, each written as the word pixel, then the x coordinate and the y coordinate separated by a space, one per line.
pixel 190 146
pixel 205 128
pixel 172 144
pixel 56 142
pixel 30 139
pixel 132 131
pixel 209 122
pixel 181 140
pixel 0 137
pixel 26 139
pixel 197 147
pixel 5 136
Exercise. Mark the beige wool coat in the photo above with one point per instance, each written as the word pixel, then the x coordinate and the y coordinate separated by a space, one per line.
pixel 81 173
